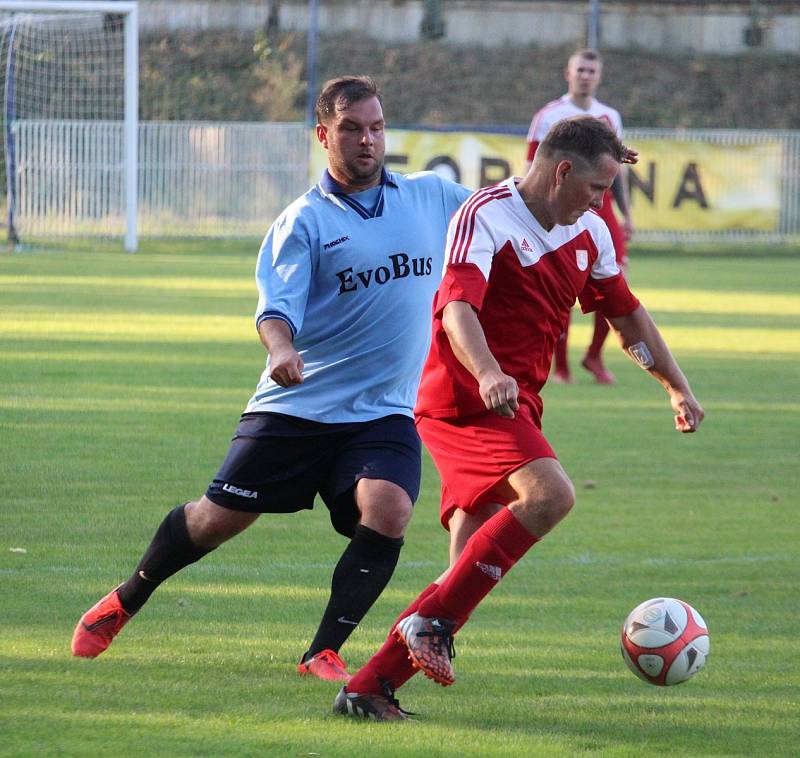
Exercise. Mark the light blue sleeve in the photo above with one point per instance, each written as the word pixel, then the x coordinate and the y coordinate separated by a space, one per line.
pixel 454 196
pixel 283 272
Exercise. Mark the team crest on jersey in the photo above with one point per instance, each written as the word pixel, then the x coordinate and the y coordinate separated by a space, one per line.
pixel 582 259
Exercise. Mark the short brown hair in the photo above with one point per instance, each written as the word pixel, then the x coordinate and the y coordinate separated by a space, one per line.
pixel 583 137
pixel 340 93
pixel 589 53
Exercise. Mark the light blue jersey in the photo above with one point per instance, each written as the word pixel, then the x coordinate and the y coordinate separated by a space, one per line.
pixel 354 277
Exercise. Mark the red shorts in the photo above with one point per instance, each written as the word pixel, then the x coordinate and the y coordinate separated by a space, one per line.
pixel 475 454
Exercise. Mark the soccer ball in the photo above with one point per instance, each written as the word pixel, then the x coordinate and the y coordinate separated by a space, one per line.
pixel 664 641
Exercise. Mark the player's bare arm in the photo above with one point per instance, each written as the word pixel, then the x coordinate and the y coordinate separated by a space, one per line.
pixel 286 365
pixel 643 343
pixel 498 390
pixel 619 189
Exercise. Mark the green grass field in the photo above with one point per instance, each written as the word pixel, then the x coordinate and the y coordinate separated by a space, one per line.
pixel 122 379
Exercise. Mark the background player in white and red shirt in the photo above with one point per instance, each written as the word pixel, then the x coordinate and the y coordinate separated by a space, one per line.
pixel 583 74
pixel 519 255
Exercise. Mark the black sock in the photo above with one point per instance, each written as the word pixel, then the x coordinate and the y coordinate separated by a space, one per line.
pixel 363 571
pixel 170 550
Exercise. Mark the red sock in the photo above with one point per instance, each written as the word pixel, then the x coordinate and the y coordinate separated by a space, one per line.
pixel 488 556
pixel 561 363
pixel 601 329
pixel 390 664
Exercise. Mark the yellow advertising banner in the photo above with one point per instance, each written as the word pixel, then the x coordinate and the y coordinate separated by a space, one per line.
pixel 677 185
pixel 698 186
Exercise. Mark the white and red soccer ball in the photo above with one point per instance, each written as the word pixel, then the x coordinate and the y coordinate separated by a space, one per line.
pixel 664 641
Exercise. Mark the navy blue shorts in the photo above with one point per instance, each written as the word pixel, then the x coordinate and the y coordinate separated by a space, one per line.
pixel 278 464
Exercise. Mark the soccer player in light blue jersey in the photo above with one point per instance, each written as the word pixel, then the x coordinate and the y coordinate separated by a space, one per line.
pixel 346 277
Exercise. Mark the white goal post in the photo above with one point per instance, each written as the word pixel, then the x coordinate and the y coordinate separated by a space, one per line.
pixel 80 138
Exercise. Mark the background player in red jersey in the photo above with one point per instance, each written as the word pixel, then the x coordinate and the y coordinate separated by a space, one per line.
pixel 583 74
pixel 479 408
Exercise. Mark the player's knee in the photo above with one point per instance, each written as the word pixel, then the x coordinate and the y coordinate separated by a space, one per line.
pixel 564 500
pixel 400 514
pixel 209 525
pixel 389 518
pixel 385 507
pixel 548 505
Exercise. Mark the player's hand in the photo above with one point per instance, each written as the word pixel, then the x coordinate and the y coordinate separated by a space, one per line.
pixel 499 393
pixel 689 414
pixel 286 367
pixel 630 155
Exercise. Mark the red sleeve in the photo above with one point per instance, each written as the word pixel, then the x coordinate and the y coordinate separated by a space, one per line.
pixel 610 296
pixel 462 281
pixel 532 147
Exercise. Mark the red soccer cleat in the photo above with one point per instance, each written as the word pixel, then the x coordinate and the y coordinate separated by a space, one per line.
pixel 560 377
pixel 596 368
pixel 325 665
pixel 98 626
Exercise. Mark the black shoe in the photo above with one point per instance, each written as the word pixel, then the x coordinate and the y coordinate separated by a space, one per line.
pixel 370 706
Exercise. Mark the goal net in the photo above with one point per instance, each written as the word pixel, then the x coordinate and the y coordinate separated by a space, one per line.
pixel 68 84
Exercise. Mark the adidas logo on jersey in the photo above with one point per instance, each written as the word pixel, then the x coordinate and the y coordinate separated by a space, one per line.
pixel 493 572
pixel 525 247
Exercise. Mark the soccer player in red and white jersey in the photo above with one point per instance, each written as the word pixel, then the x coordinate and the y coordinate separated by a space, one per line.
pixel 583 74
pixel 519 255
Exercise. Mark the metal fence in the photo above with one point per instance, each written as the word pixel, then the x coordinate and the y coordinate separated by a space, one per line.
pixel 232 179
pixel 195 179
pixel 219 179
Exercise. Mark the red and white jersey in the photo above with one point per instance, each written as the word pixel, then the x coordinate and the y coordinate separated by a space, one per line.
pixel 562 108
pixel 523 281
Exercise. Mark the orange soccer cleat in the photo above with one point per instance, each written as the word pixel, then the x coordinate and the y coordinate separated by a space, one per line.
pixel 325 665
pixel 98 626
